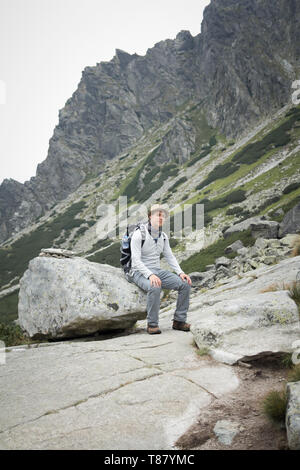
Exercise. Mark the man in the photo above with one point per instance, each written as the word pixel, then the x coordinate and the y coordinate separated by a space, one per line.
pixel 146 273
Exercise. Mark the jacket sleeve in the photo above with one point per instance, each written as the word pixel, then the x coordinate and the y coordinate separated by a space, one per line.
pixel 172 261
pixel 136 249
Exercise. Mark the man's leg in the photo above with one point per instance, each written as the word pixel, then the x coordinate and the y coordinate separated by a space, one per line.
pixel 173 281
pixel 153 298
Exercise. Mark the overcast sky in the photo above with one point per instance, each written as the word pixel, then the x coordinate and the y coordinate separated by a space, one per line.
pixel 46 44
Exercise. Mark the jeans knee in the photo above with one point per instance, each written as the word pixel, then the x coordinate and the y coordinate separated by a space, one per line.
pixel 185 285
pixel 155 289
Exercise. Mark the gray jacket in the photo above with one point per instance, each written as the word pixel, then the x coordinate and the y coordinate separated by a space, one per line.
pixel 143 259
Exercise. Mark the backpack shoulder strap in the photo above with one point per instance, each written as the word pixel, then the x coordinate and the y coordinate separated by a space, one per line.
pixel 140 226
pixel 164 236
pixel 143 232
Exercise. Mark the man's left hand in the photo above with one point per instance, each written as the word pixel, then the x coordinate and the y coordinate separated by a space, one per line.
pixel 184 276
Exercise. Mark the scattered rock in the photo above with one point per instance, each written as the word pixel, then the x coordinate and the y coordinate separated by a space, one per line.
pixel 293 415
pixel 241 226
pixel 196 276
pixel 222 272
pixel 210 267
pixel 222 261
pixel 242 251
pixel 264 229
pixel 226 431
pixel 291 222
pixel 57 252
pixel 261 243
pixel 233 247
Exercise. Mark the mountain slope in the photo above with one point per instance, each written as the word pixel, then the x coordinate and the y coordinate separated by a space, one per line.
pixel 257 174
pixel 239 69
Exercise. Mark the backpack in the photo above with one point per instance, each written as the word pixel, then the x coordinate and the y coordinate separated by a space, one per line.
pixel 125 247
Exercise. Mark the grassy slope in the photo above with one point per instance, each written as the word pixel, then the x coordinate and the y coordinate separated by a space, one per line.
pixel 14 258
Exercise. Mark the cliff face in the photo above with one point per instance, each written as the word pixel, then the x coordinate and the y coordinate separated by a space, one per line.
pixel 240 68
pixel 250 53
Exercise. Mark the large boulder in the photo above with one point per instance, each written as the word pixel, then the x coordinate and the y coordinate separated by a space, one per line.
pixel 290 222
pixel 264 229
pixel 249 315
pixel 233 247
pixel 69 297
pixel 292 418
pixel 241 226
pixel 247 327
pixel 260 227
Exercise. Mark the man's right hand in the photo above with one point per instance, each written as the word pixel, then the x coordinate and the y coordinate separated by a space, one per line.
pixel 154 280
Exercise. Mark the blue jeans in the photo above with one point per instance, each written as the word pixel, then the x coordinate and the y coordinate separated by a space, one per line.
pixel 168 281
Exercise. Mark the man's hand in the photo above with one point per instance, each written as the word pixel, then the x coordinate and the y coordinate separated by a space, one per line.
pixel 154 280
pixel 185 276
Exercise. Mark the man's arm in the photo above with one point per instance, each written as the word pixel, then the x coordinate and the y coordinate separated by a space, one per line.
pixel 136 251
pixel 172 261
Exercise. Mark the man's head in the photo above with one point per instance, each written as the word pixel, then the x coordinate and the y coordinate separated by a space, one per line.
pixel 157 215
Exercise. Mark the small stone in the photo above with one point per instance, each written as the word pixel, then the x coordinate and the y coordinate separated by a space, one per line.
pixel 222 261
pixel 226 431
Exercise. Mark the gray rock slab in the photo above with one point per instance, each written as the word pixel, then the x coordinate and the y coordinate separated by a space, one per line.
pixel 240 226
pixel 264 229
pixel 292 420
pixel 248 327
pixel 233 247
pixel 290 222
pixel 132 392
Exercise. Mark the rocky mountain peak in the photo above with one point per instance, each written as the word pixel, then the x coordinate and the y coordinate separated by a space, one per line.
pixel 240 67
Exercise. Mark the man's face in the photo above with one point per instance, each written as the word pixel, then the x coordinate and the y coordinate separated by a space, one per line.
pixel 157 218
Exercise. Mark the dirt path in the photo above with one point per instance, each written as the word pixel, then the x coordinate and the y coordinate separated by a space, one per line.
pixel 244 407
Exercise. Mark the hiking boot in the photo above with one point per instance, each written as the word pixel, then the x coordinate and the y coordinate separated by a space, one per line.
pixel 181 325
pixel 153 330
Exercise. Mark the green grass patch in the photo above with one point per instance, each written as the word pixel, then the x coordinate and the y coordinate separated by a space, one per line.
pixel 294 293
pixel 198 157
pixel 131 187
pixel 151 182
pixel 150 187
pixel 285 207
pixel 178 183
pixel 110 255
pixel 204 132
pixel 274 405
pixel 294 374
pixel 291 187
pixel 12 335
pixel 286 361
pixel 208 255
pixel 219 172
pixel 234 197
pixel 99 244
pixel 15 258
pixel 9 307
pixel 277 137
